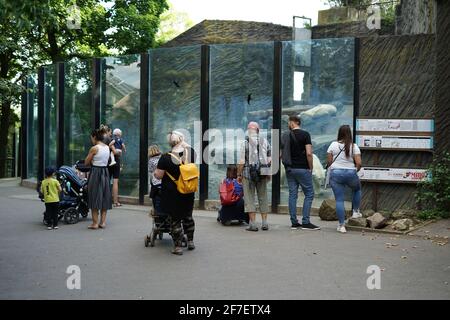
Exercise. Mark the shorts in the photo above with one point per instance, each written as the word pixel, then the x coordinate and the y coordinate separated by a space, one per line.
pixel 249 195
pixel 115 169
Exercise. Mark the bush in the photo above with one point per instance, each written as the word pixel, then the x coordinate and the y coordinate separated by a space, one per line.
pixel 433 194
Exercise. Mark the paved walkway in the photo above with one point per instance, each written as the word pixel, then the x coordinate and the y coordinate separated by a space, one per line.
pixel 229 263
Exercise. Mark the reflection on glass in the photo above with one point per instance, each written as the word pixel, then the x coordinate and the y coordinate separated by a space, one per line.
pixel 318 86
pixel 32 131
pixel 174 94
pixel 241 86
pixel 50 129
pixel 120 109
pixel 77 110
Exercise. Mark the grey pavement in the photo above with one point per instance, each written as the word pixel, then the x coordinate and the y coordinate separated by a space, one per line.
pixel 229 262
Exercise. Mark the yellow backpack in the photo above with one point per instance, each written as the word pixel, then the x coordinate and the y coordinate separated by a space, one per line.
pixel 188 180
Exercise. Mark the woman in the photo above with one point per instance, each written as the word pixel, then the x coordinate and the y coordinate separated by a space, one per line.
pixel 178 206
pixel 154 184
pixel 235 211
pixel 254 172
pixel 344 161
pixel 99 191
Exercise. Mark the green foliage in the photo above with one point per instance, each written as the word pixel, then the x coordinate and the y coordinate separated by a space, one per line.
pixel 39 32
pixel 172 24
pixel 433 195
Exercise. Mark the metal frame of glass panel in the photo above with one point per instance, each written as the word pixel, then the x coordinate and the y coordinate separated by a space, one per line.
pixel 69 91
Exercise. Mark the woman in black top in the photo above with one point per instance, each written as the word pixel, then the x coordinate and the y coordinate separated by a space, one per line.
pixel 178 206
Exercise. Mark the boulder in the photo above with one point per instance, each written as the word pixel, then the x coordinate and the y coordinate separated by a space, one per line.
pixel 386 214
pixel 402 224
pixel 376 221
pixel 357 222
pixel 367 213
pixel 327 210
pixel 404 214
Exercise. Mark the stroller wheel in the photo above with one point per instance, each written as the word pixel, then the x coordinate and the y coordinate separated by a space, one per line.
pixel 146 241
pixel 160 236
pixel 71 216
pixel 152 238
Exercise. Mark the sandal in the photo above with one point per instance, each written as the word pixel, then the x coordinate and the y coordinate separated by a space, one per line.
pixel 117 204
pixel 93 227
pixel 102 226
pixel 178 251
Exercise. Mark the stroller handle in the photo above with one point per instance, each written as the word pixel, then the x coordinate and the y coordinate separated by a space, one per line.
pixel 80 166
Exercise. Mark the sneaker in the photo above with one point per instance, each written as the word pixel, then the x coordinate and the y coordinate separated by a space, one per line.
pixel 356 214
pixel 190 245
pixel 295 226
pixel 341 229
pixel 178 251
pixel 310 226
pixel 55 227
pixel 252 228
pixel 265 227
pixel 49 228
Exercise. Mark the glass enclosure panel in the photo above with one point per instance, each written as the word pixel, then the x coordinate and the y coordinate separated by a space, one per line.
pixel 50 128
pixel 120 109
pixel 318 80
pixel 241 89
pixel 174 94
pixel 32 130
pixel 77 110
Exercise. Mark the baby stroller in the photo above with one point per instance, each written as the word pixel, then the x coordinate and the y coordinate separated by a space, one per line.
pixel 161 223
pixel 75 195
pixel 73 199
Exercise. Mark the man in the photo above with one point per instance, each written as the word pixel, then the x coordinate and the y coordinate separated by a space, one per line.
pixel 297 158
pixel 254 172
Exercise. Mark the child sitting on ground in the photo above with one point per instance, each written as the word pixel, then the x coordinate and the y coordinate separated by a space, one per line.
pixel 231 197
pixel 50 189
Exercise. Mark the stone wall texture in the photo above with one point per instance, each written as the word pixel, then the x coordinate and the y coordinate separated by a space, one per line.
pixel 443 77
pixel 416 17
pixel 396 79
pixel 224 31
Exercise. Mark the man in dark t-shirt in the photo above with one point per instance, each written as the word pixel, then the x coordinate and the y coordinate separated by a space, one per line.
pixel 297 158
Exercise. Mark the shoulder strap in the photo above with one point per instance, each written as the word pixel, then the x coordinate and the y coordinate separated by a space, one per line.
pixel 340 151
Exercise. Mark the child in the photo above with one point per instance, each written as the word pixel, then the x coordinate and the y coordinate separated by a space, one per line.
pixel 51 188
pixel 234 211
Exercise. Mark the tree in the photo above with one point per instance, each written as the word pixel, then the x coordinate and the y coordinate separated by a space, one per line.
pixel 172 24
pixel 37 32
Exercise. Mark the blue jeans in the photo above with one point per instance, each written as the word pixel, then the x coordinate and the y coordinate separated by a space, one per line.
pixel 302 178
pixel 339 179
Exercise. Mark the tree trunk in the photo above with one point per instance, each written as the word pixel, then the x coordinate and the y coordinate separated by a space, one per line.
pixel 4 125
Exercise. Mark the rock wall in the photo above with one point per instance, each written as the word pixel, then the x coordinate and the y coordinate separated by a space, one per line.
pixel 350 29
pixel 396 79
pixel 443 77
pixel 416 17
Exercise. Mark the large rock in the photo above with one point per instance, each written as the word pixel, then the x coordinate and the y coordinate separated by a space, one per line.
pixel 357 222
pixel 376 221
pixel 404 214
pixel 327 210
pixel 402 224
pixel 367 213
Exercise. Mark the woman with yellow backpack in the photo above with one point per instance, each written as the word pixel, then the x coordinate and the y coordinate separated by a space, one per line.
pixel 179 176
